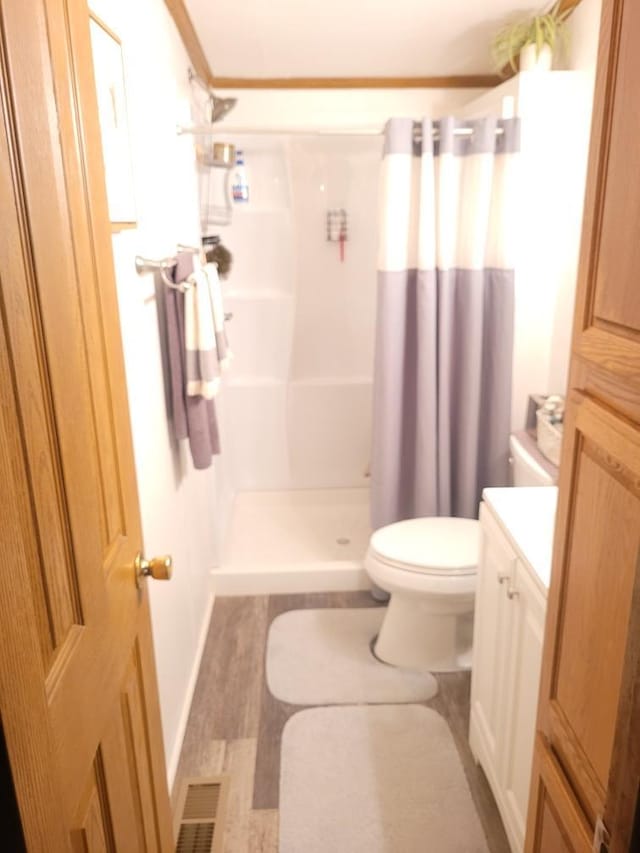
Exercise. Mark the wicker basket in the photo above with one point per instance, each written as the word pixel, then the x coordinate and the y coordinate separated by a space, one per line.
pixel 549 437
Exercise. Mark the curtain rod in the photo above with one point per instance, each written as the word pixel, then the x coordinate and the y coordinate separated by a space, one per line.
pixel 231 130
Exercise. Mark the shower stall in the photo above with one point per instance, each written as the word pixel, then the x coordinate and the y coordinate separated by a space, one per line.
pixel 295 406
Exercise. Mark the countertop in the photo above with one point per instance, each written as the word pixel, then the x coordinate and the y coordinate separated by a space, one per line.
pixel 527 515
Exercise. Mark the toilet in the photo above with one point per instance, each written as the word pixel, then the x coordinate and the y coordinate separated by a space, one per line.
pixel 528 466
pixel 429 567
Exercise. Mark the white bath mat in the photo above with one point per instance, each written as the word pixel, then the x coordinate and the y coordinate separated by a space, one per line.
pixel 323 657
pixel 374 779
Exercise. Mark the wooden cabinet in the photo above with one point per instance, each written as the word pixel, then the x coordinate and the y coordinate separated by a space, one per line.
pixel 507 653
pixel 586 772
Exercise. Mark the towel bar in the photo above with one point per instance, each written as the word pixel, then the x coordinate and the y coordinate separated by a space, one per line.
pixel 150 265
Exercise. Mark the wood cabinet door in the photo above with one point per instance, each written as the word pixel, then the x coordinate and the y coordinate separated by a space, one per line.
pixel 78 694
pixel 589 743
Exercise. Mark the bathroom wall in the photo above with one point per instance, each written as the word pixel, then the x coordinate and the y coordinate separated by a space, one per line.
pixel 178 504
pixel 583 29
pixel 340 109
pixel 582 44
pixel 555 109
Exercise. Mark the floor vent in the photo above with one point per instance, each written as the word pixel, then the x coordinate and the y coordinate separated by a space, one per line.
pixel 201 808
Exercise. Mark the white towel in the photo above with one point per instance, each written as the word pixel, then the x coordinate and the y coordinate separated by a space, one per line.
pixel 215 288
pixel 203 368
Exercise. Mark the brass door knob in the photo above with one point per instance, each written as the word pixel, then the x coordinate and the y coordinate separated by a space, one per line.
pixel 159 568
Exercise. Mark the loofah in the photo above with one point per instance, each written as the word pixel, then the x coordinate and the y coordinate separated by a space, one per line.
pixel 222 257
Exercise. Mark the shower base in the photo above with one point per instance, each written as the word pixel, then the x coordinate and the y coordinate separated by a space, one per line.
pixel 296 541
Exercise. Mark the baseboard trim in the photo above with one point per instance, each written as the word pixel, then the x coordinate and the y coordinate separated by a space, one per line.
pixel 279 580
pixel 172 763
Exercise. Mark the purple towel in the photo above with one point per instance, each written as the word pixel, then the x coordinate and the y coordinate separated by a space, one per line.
pixel 193 417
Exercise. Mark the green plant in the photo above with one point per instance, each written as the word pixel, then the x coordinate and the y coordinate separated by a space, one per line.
pixel 545 28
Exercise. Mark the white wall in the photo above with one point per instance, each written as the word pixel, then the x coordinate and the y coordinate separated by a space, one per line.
pixel 362 38
pixel 555 110
pixel 177 503
pixel 583 28
pixel 338 109
pixel 583 31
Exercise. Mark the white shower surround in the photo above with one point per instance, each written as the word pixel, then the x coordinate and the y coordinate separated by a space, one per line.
pixel 296 407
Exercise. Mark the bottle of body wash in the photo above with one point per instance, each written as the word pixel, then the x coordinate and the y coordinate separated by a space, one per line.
pixel 240 184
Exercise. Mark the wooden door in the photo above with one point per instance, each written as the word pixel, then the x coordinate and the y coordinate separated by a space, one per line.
pixel 78 694
pixel 587 759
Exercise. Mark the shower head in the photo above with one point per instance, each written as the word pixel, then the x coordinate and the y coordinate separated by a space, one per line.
pixel 220 107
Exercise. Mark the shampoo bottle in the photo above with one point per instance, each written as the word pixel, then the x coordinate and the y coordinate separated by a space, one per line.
pixel 240 185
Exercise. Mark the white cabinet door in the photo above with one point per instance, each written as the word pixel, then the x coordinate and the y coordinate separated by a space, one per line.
pixel 528 607
pixel 507 654
pixel 492 629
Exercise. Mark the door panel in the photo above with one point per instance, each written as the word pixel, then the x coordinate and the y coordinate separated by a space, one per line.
pixel 135 726
pixel 560 825
pixel 55 596
pixel 619 252
pixel 606 342
pixel 80 525
pixel 94 831
pixel 551 838
pixel 599 558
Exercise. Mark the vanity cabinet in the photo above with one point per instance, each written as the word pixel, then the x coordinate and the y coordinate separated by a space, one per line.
pixel 507 655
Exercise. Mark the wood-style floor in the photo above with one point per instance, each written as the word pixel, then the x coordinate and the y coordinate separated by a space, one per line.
pixel 235 725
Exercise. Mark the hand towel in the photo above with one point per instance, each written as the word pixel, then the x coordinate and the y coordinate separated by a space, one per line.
pixel 191 417
pixel 215 288
pixel 203 365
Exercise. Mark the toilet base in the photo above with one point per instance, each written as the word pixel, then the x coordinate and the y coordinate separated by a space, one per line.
pixel 418 635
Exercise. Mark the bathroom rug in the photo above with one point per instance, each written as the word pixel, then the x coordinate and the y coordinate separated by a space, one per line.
pixel 374 779
pixel 323 657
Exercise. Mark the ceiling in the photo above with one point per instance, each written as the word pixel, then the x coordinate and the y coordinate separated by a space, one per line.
pixel 350 38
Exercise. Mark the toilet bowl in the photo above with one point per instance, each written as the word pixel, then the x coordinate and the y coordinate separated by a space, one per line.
pixel 429 566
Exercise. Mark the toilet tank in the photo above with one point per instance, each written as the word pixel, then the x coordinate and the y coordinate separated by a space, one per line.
pixel 525 469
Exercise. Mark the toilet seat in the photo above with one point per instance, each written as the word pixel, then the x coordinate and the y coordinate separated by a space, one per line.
pixel 445 547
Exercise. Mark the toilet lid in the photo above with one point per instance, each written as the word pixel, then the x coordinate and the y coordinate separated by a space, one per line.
pixel 432 545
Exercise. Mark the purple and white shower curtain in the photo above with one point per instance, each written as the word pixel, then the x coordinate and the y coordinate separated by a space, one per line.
pixel 444 341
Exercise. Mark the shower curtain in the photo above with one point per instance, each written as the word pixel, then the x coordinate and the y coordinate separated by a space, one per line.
pixel 444 339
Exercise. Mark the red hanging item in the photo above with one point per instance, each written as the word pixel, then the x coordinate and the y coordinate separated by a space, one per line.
pixel 337 228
